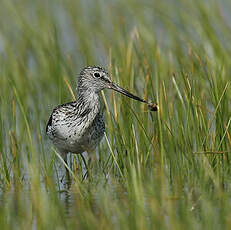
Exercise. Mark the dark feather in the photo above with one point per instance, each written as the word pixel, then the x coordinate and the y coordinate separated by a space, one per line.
pixel 85 112
pixel 49 123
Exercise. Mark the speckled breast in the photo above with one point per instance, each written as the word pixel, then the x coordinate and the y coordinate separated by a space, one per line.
pixel 94 133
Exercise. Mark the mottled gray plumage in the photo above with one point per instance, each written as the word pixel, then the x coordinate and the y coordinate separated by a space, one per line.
pixel 79 126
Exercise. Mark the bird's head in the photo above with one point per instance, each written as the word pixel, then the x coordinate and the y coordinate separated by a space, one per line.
pixel 94 79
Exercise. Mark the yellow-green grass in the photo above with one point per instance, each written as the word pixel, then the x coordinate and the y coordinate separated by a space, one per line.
pixel 164 170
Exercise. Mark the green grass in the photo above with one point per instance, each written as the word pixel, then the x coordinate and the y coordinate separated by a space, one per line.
pixel 165 170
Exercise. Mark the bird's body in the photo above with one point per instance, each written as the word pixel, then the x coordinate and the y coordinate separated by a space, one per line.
pixel 74 132
pixel 78 126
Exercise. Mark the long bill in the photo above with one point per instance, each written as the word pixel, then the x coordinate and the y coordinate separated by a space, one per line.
pixel 152 107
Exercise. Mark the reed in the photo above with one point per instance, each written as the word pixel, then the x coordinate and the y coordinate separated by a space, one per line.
pixel 164 170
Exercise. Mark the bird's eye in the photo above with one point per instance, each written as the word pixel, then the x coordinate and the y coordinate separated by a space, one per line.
pixel 96 75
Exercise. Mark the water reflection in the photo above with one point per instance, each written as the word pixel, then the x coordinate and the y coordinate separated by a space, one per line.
pixel 66 180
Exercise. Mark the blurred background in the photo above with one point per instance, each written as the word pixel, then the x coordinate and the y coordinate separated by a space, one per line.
pixel 164 170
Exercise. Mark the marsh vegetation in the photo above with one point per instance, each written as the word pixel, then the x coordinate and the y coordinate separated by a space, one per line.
pixel 163 170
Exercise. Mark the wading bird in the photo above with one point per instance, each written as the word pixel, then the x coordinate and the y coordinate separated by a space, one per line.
pixel 78 126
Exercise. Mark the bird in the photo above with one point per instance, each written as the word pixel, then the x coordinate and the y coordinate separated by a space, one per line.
pixel 78 126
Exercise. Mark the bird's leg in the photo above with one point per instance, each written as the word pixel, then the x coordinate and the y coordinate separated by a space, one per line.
pixel 85 165
pixel 91 159
pixel 67 174
pixel 68 178
pixel 64 156
pixel 90 162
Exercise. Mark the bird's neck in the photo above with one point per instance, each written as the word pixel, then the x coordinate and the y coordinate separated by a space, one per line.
pixel 89 101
